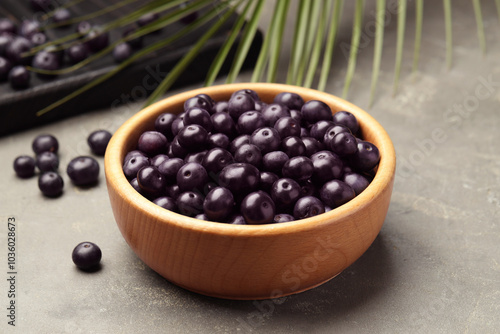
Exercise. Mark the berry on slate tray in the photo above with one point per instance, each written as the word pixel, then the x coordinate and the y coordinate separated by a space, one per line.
pixel 19 77
pixel 47 161
pixel 98 141
pixel 45 142
pixel 247 161
pixel 50 184
pixel 24 166
pixel 83 171
pixel 5 67
pixel 122 52
pixel 78 52
pixel 86 255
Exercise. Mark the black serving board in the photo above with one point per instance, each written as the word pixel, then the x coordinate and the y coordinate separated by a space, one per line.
pixel 18 108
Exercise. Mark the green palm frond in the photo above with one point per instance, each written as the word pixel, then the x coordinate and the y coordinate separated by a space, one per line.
pixel 315 30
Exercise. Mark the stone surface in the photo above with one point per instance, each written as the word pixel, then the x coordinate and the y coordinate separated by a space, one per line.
pixel 434 268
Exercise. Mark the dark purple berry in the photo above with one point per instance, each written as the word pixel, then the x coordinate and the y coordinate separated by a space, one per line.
pixel 357 182
pixel 5 40
pixel 50 184
pixel 97 39
pixel 83 28
pixel 312 145
pixel 287 126
pixel 192 137
pixel 272 112
pixel 195 156
pixel 258 208
pixel 163 124
pixel 334 193
pixel 267 180
pixel 24 166
pixel 199 116
pixel 15 50
pixel 366 158
pixel 222 122
pixel 267 139
pixel 314 111
pixel 250 121
pixel 5 67
pixel 38 39
pixel 237 220
pixel 248 153
pixel 347 119
pixel 285 192
pixel 199 101
pixel 216 159
pixel 122 52
pixel 299 168
pixel 61 15
pixel 166 202
pixel 319 129
pixel 132 165
pixel 327 166
pixel 151 180
pixel 218 204
pixel 29 28
pixel 290 100
pixel 191 176
pixel 332 132
pixel 19 77
pixel 98 141
pixel 178 124
pixel 274 161
pixel 83 171
pixel 7 26
pixel 86 256
pixel 158 159
pixel 45 142
pixel 239 178
pixel 169 169
pixel 47 162
pixel 135 184
pixel 308 206
pixel 293 146
pixel 218 140
pixel 221 106
pixel 344 144
pixel 239 141
pixel 133 154
pixel 240 103
pixel 152 143
pixel 173 191
pixel 47 61
pixel 77 53
pixel 177 150
pixel 190 203
pixel 283 218
pixel 250 92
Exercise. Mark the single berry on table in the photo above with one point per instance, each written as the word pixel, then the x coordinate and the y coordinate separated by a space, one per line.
pixel 50 184
pixel 24 166
pixel 83 171
pixel 15 50
pixel 122 52
pixel 78 52
pixel 47 161
pixel 86 255
pixel 98 141
pixel 45 142
pixel 19 77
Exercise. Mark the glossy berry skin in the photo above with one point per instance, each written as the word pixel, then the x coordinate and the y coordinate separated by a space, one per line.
pixel 250 92
pixel 166 202
pixel 163 124
pixel 308 206
pixel 356 181
pixel 5 67
pixel 177 150
pixel 83 171
pixel 7 26
pixel 77 53
pixel 134 153
pixel 267 180
pixel 86 256
pixel 366 158
pixel 16 48
pixel 122 52
pixel 38 39
pixel 132 165
pixel 267 139
pixel 312 145
pixel 192 137
pixel 151 180
pixel 239 141
pixel 135 184
pixel 222 122
pixel 332 132
pixel 216 159
pixel 347 119
pixel 218 204
pixel 46 61
pixel 24 166
pixel 274 161
pixel 83 28
pixel 237 220
pixel 343 144
pixel 169 169
pixel 191 177
pixel 290 100
pixel 287 126
pixel 199 101
pixel 258 208
pixel 327 166
pixel 45 142
pixel 158 159
pixel 98 141
pixel 29 28
pixel 239 178
pixel 19 77
pixel 319 129
pixel 5 40
pixel 199 116
pixel 283 218
pixel 178 124
pixel 248 153
pixel 152 143
pixel 190 203
pixel 50 184
pixel 334 193
pixel 218 140
pixel 220 106
pixel 250 121
pixel 314 111
pixel 285 192
pixel 272 112
pixel 47 161
pixel 299 168
pixel 173 191
pixel 293 146
pixel 240 103
pixel 97 39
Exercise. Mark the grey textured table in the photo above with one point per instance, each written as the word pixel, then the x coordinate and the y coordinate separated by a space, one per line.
pixel 434 268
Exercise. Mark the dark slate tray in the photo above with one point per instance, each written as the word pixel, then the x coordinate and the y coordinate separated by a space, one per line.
pixel 18 108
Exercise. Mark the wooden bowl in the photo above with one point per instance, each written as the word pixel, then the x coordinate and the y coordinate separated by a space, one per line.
pixel 248 261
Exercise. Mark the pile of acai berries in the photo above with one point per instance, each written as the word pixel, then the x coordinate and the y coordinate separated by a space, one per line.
pixel 244 161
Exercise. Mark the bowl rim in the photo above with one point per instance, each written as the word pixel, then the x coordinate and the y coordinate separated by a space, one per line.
pixel 115 177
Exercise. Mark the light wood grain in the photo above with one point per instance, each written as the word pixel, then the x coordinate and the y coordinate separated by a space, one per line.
pixel 248 261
